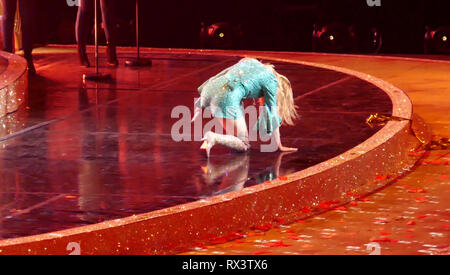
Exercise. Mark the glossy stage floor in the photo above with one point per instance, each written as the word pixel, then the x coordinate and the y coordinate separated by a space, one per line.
pixel 81 153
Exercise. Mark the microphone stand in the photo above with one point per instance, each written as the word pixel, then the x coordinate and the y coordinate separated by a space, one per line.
pixel 138 61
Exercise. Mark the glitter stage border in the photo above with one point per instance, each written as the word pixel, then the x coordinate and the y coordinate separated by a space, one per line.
pixel 13 83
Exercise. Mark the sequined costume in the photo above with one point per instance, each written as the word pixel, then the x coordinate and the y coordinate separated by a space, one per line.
pixel 249 78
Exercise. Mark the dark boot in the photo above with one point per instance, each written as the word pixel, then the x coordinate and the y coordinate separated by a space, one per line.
pixel 112 55
pixel 84 60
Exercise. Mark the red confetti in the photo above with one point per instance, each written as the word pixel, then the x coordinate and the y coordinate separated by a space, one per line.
pixel 276 244
pixel 290 231
pixel 325 205
pixel 416 190
pixel 381 221
pixel 283 178
pixel 201 246
pixel 328 236
pixel 264 227
pixel 306 209
pixel 421 217
pixel 409 236
pixel 255 234
pixel 382 177
pixel 280 220
pixel 364 199
pixel 421 199
pixel 385 233
pixel 341 208
pixel 383 240
pixel 219 240
pixel 411 223
pixel 446 225
pixel 295 238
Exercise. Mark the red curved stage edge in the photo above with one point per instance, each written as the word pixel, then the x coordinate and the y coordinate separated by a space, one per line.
pixel 349 176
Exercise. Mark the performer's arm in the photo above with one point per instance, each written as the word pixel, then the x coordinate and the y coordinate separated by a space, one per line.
pixel 270 101
pixel 197 109
pixel 276 135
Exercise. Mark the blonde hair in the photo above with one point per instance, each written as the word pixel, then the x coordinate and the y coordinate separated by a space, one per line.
pixel 287 110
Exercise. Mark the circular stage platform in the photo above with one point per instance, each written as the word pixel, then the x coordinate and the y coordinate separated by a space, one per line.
pixel 95 164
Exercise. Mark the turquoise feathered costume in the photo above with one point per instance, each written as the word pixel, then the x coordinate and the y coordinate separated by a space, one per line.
pixel 249 78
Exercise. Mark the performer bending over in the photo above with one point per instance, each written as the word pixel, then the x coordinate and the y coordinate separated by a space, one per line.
pixel 224 93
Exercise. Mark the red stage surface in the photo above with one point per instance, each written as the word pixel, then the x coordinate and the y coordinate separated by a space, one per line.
pixel 98 162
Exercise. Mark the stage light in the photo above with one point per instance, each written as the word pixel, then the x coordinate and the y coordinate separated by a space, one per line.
pixel 331 38
pixel 376 40
pixel 436 41
pixel 220 35
pixel 340 37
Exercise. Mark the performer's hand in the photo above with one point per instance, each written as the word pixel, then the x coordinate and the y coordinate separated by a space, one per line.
pixel 287 149
pixel 197 112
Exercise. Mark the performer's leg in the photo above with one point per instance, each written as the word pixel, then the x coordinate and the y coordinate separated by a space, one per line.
pixel 236 137
pixel 84 21
pixel 108 15
pixel 9 13
pixel 26 9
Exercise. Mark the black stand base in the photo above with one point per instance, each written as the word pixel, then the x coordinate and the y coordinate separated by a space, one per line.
pixel 141 62
pixel 97 77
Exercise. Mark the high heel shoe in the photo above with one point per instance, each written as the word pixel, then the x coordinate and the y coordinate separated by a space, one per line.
pixel 30 64
pixel 82 55
pixel 208 143
pixel 112 55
